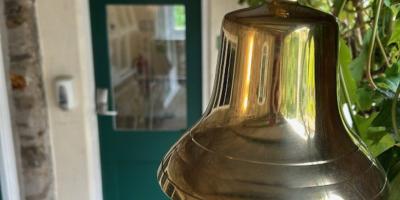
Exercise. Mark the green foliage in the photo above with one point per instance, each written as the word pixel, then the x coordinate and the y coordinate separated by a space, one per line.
pixel 370 95
pixel 395 194
pixel 395 37
pixel 345 60
pixel 252 2
pixel 179 17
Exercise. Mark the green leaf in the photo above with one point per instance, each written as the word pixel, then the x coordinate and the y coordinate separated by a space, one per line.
pixel 395 9
pixel 375 134
pixel 390 161
pixel 363 124
pixel 377 148
pixel 394 5
pixel 389 3
pixel 377 139
pixel 391 79
pixel 368 99
pixel 394 70
pixel 365 98
pixel 394 53
pixel 389 83
pixel 395 188
pixel 338 6
pixel 344 62
pixel 358 64
pixel 394 170
pixel 395 37
pixel 384 116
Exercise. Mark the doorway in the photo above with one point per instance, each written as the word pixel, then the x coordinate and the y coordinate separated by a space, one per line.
pixel 147 56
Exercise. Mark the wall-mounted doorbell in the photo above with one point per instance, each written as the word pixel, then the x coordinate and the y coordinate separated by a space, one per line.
pixel 65 92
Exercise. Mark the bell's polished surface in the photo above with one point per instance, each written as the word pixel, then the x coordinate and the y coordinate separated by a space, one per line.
pixel 273 129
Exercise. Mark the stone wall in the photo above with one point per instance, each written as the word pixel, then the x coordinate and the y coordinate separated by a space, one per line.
pixel 30 113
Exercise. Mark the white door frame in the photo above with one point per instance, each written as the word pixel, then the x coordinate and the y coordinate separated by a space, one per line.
pixel 8 163
pixel 8 167
pixel 206 69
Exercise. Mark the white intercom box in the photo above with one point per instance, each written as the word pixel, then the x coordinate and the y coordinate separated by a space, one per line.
pixel 65 92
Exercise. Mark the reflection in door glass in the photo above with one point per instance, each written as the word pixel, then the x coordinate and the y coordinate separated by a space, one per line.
pixel 148 66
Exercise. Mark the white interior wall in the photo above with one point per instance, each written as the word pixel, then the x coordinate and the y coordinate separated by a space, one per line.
pixel 10 189
pixel 214 11
pixel 65 40
pixel 64 31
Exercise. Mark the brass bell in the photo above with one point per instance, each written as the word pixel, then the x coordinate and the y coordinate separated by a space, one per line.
pixel 273 129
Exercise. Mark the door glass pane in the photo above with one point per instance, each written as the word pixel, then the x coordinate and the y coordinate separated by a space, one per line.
pixel 148 66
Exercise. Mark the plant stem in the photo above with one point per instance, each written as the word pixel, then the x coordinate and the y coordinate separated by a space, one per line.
pixel 378 39
pixel 372 45
pixel 394 115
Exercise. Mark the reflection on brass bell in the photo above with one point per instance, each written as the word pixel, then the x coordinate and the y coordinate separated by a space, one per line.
pixel 273 129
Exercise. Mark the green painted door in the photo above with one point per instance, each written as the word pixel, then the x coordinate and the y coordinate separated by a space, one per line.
pixel 147 56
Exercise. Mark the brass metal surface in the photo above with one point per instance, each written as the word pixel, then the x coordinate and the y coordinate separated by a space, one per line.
pixel 273 129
